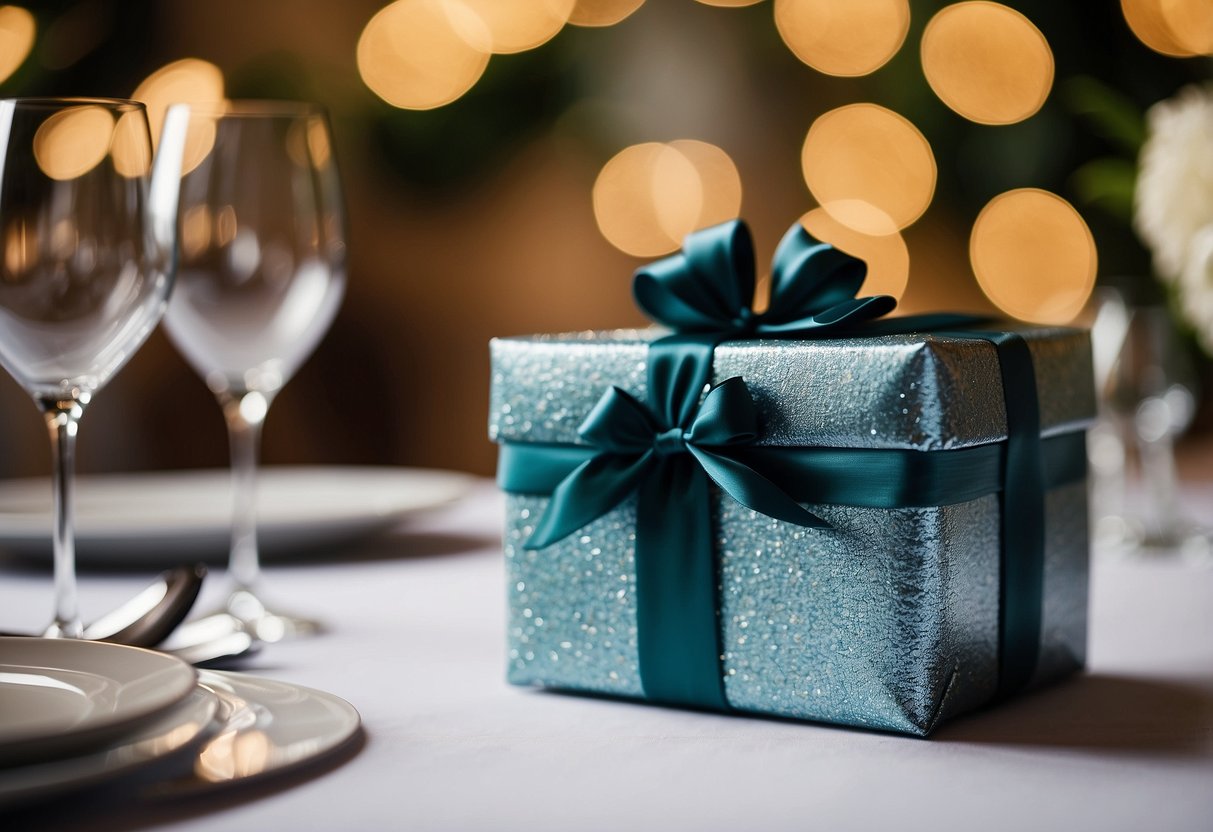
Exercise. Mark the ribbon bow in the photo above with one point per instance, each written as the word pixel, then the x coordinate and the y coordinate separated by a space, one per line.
pixel 633 441
pixel 709 286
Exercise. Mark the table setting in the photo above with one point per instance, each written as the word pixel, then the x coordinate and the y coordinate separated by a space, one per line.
pixel 611 483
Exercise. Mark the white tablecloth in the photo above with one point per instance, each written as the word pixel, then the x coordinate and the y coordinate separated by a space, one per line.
pixel 416 643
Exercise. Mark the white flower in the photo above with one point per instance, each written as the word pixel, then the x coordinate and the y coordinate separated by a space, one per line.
pixel 1174 198
pixel 1196 286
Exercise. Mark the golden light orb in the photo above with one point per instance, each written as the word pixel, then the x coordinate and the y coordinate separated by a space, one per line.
pixel 602 12
pixel 17 31
pixel 869 167
pixel 131 148
pixel 649 196
pixel 676 191
pixel 1190 23
pixel 719 180
pixel 642 195
pixel 987 62
pixel 307 144
pixel 188 81
pixel 71 142
pixel 843 37
pixel 886 255
pixel 1150 25
pixel 421 54
pixel 1033 256
pixel 518 25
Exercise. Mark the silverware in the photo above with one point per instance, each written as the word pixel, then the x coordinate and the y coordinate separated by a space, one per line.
pixel 215 640
pixel 147 618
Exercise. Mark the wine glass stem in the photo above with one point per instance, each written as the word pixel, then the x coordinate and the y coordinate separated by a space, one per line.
pixel 62 420
pixel 1158 471
pixel 245 415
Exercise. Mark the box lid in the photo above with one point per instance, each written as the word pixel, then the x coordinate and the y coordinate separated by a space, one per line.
pixel 919 391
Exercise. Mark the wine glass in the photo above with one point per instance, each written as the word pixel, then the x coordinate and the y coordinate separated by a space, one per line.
pixel 262 274
pixel 86 265
pixel 1152 388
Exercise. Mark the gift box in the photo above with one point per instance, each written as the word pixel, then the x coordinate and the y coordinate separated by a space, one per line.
pixel 877 523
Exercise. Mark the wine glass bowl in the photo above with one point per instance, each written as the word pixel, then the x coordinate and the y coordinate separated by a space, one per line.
pixel 81 282
pixel 262 273
pixel 86 267
pixel 1151 391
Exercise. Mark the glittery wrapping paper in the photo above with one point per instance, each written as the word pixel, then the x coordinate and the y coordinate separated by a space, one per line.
pixel 887 620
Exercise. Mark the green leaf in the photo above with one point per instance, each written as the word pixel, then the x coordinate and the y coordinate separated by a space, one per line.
pixel 1107 184
pixel 1110 114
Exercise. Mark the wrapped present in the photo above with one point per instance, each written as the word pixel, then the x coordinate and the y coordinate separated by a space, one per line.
pixel 813 512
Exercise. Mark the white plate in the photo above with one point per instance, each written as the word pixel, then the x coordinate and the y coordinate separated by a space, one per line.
pixel 184 725
pixel 163 517
pixel 58 696
pixel 270 727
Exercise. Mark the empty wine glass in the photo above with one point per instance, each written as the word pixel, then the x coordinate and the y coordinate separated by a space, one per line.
pixel 1152 388
pixel 262 274
pixel 86 265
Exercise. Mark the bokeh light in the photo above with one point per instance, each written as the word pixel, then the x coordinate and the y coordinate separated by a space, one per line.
pixel 1190 23
pixel 730 4
pixel 870 168
pixel 843 37
pixel 195 230
pixel 131 150
pixel 649 196
pixel 188 81
pixel 421 54
pixel 1156 23
pixel 602 12
pixel 719 181
pixel 630 213
pixel 987 62
pixel 1034 256
pixel 307 143
pixel 17 30
pixel 73 141
pixel 517 25
pixel 886 255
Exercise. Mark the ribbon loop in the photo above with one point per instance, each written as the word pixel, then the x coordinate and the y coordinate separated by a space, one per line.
pixel 618 423
pixel 726 417
pixel 708 287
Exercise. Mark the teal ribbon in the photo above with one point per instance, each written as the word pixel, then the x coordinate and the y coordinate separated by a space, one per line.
pixel 667 450
pixel 708 287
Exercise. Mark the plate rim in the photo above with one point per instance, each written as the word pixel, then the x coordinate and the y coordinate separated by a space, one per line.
pixel 349 740
pixel 47 744
pixel 27 533
pixel 95 762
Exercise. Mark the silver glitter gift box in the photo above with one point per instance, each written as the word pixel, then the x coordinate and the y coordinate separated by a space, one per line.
pixel 887 620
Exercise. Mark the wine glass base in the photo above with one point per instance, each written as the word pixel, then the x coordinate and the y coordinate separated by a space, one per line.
pixel 1133 538
pixel 269 625
pixel 64 629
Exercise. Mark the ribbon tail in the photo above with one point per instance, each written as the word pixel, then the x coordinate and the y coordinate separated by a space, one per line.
pixel 753 490
pixel 677 629
pixel 588 492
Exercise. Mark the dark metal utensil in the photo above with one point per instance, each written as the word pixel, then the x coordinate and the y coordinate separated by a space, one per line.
pixel 148 618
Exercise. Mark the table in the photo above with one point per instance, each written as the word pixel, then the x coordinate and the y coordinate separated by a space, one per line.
pixel 417 645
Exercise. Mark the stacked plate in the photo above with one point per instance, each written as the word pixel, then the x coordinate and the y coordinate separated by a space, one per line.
pixel 76 713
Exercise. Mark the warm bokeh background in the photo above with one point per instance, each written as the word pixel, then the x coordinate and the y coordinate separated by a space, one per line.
pixel 476 218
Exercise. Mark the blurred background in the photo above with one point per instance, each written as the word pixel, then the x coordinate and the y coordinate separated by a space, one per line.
pixel 508 164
